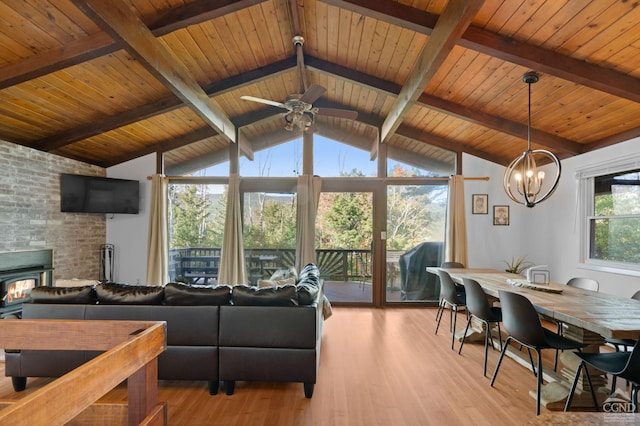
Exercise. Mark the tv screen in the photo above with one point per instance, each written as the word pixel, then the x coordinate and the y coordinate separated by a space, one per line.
pixel 93 194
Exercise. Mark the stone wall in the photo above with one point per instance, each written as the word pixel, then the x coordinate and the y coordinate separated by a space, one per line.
pixel 30 216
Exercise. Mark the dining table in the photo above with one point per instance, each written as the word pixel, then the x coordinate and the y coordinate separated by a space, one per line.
pixel 588 316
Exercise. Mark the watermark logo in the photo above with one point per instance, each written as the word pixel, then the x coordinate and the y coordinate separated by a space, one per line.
pixel 619 408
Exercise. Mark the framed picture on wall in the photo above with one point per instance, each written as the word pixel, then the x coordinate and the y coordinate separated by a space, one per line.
pixel 501 215
pixel 480 204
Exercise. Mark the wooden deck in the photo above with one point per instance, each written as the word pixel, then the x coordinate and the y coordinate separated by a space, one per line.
pixel 377 367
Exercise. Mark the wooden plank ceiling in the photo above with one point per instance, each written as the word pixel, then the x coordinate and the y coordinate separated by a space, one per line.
pixel 106 82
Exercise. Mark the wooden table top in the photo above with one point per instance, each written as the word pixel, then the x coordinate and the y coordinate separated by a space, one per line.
pixel 608 315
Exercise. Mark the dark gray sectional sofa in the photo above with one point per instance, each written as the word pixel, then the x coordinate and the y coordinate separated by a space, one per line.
pixel 215 334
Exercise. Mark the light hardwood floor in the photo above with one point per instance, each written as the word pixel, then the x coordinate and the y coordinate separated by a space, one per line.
pixel 377 367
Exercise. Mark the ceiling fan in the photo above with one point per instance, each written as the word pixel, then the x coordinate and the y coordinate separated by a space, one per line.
pixel 301 112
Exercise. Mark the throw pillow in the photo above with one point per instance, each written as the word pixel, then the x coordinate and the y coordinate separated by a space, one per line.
pixel 244 295
pixel 266 283
pixel 285 281
pixel 307 293
pixel 196 295
pixel 126 294
pixel 78 295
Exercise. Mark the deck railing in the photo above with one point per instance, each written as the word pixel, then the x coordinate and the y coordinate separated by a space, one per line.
pixel 201 263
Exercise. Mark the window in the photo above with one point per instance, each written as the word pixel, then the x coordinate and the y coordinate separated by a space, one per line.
pixel 614 228
pixel 609 196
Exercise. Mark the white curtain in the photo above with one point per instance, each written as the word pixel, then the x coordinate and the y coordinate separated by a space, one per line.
pixel 232 267
pixel 455 242
pixel 309 188
pixel 158 244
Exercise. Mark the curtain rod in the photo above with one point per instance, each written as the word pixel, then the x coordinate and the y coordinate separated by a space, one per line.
pixel 485 178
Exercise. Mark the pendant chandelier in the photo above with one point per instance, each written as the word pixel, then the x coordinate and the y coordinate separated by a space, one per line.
pixel 523 182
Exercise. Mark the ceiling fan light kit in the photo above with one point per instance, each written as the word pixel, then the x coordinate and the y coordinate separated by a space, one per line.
pixel 301 113
pixel 523 182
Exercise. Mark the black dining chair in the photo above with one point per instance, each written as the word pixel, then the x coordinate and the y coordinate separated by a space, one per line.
pixel 453 296
pixel 523 326
pixel 479 307
pixel 584 284
pixel 619 364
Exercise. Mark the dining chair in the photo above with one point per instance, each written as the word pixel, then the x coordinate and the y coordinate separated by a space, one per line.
pixel 449 265
pixel 577 282
pixel 479 307
pixel 523 326
pixel 619 364
pixel 452 296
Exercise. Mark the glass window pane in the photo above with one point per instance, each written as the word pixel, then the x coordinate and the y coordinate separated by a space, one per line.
pixel 615 239
pixel 343 245
pixel 617 194
pixel 269 229
pixel 284 160
pixel 334 159
pixel 416 217
pixel 196 229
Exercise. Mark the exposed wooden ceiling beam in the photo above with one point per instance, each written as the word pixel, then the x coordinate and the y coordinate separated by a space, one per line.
pixel 100 44
pixel 195 13
pixel 613 139
pixel 425 163
pixel 455 19
pixel 117 19
pixel 506 48
pixel 166 145
pixel 412 133
pixel 161 106
pixel 496 123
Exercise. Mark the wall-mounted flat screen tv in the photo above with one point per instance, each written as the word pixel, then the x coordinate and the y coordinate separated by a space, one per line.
pixel 93 194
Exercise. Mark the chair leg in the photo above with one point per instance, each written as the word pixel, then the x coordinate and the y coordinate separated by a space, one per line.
pixel 539 386
pixel 440 305
pixel 454 312
pixel 487 334
pixel 504 349
pixel 533 367
pixel 466 329
pixel 567 405
pixel 593 392
pixel 440 312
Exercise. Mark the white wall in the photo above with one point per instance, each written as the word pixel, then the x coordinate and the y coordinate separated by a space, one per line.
pixel 547 233
pixel 127 232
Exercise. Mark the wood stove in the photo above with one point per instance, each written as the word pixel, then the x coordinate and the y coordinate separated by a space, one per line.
pixel 20 272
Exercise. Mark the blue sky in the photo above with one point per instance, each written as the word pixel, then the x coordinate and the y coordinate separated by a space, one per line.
pixel 331 158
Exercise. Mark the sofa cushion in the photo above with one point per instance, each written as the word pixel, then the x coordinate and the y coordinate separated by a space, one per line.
pixel 76 295
pixel 192 295
pixel 112 293
pixel 243 295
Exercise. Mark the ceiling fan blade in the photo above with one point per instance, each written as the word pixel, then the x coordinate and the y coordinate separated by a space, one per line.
pixel 312 93
pixel 340 113
pixel 264 101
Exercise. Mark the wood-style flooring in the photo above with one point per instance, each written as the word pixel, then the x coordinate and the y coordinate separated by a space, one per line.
pixel 377 367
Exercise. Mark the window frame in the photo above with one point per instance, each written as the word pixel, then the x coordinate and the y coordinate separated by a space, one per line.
pixel 586 213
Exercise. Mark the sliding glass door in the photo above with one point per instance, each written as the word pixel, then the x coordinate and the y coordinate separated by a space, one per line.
pixel 415 231
pixel 344 238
